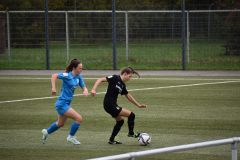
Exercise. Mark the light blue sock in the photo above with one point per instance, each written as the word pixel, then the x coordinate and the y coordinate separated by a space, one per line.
pixel 53 127
pixel 74 128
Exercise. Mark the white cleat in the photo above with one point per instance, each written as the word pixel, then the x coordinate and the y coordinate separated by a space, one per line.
pixel 73 140
pixel 45 135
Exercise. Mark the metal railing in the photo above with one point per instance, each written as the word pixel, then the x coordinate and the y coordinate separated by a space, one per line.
pixel 132 155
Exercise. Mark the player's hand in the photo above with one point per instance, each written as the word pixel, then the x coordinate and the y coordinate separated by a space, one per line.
pixel 142 106
pixel 85 92
pixel 93 92
pixel 54 92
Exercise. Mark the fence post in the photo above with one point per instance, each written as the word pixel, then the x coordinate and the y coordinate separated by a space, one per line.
pixel 126 25
pixel 188 36
pixel 173 20
pixel 114 34
pixel 8 37
pixel 46 35
pixel 183 36
pixel 67 37
pixel 234 151
pixel 209 19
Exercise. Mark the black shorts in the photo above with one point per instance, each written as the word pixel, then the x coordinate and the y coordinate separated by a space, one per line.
pixel 112 109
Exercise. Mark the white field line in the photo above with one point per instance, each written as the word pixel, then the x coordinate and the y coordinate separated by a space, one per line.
pixel 144 78
pixel 140 89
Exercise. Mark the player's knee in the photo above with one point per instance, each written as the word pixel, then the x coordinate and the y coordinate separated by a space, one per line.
pixel 131 117
pixel 60 124
pixel 79 119
pixel 121 122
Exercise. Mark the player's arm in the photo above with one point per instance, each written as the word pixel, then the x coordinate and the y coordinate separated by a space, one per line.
pixel 83 86
pixel 85 91
pixel 134 101
pixel 53 82
pixel 96 84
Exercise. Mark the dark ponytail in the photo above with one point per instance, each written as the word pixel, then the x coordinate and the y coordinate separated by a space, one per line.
pixel 129 70
pixel 73 64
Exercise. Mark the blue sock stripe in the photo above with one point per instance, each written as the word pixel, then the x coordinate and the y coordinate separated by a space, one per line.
pixel 74 128
pixel 53 127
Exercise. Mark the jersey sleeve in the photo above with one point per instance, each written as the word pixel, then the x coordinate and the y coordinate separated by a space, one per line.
pixel 124 91
pixel 81 82
pixel 62 75
pixel 111 79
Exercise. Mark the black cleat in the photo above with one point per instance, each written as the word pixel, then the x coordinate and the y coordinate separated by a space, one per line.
pixel 114 142
pixel 134 135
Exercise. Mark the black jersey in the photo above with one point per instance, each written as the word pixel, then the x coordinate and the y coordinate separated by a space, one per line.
pixel 115 86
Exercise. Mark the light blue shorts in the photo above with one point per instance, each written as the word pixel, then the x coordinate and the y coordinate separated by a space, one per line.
pixel 62 106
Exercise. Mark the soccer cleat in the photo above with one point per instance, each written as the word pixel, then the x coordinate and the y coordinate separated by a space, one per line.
pixel 134 135
pixel 114 142
pixel 45 135
pixel 73 140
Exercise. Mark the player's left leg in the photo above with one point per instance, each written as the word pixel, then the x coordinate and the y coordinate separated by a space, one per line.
pixel 71 113
pixel 131 121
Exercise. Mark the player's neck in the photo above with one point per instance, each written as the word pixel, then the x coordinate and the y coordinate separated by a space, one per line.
pixel 122 78
pixel 74 73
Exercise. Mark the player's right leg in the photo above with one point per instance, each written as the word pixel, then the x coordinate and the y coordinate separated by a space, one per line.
pixel 116 129
pixel 53 127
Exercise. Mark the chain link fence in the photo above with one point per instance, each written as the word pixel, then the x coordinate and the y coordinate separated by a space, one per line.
pixel 146 39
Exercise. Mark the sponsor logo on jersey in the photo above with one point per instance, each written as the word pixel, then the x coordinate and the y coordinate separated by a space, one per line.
pixel 73 88
pixel 119 88
pixel 65 74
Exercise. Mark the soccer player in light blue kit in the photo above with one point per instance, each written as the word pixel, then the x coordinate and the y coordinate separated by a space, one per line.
pixel 70 81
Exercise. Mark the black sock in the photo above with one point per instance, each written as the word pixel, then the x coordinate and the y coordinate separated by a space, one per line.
pixel 116 129
pixel 131 119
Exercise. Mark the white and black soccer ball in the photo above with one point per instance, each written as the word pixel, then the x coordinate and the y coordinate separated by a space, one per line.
pixel 144 139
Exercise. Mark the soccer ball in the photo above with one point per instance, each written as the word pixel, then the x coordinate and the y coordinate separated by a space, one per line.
pixel 144 139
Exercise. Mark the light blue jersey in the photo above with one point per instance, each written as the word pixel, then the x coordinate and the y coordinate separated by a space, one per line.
pixel 69 84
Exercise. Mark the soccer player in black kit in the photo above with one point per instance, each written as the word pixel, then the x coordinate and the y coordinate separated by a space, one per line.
pixel 117 86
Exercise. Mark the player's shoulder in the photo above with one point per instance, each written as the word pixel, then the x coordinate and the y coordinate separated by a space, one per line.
pixel 64 74
pixel 112 76
pixel 79 76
